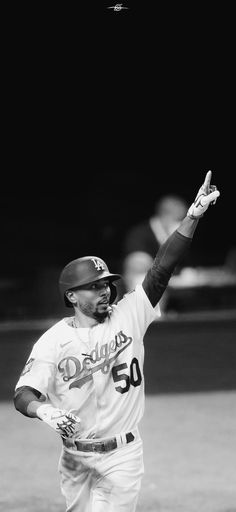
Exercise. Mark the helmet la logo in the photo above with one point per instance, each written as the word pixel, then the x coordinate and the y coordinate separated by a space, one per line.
pixel 98 264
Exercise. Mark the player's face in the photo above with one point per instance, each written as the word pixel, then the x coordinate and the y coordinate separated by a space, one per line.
pixel 93 299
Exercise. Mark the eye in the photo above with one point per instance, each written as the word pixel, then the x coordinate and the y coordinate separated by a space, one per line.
pixel 98 285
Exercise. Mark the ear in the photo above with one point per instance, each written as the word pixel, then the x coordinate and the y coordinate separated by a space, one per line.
pixel 71 297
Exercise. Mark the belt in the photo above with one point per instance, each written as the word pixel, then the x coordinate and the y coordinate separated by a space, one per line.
pixel 104 445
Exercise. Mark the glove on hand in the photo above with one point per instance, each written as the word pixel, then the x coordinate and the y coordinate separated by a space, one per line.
pixel 206 195
pixel 64 422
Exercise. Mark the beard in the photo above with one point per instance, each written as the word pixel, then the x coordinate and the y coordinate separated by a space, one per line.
pixel 100 317
pixel 88 310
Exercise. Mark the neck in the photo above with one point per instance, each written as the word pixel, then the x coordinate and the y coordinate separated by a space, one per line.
pixel 81 320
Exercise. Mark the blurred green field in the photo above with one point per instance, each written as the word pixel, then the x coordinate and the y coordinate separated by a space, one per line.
pixel 189 454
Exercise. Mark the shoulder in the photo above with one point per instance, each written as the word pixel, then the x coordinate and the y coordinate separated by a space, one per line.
pixel 51 337
pixel 129 298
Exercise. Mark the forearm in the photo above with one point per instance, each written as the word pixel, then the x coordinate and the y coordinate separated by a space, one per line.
pixel 32 409
pixel 169 255
pixel 27 400
pixel 173 249
pixel 188 226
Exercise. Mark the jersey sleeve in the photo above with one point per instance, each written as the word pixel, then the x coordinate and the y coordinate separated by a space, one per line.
pixel 138 310
pixel 40 368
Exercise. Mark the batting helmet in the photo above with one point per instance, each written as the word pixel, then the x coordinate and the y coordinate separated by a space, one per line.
pixel 83 271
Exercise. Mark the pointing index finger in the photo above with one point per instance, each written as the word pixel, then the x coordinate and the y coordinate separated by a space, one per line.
pixel 207 182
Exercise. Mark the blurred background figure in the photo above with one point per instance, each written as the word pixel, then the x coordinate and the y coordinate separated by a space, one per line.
pixel 142 241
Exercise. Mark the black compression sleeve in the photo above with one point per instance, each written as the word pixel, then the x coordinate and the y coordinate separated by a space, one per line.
pixel 168 256
pixel 23 396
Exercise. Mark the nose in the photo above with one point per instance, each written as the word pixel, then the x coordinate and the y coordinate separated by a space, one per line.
pixel 105 290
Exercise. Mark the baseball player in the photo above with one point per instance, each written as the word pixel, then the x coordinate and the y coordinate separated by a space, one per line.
pixel 84 377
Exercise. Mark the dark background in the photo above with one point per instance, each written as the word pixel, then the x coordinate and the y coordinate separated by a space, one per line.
pixel 45 226
pixel 105 112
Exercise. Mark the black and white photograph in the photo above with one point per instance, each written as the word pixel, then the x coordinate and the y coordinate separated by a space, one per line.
pixel 118 260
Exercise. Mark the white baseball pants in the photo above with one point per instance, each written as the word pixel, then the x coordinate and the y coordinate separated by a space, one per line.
pixel 102 482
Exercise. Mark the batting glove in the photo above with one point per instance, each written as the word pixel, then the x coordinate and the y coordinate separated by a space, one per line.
pixel 206 195
pixel 64 422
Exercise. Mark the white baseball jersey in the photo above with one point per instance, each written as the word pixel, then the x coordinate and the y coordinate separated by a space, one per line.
pixel 96 373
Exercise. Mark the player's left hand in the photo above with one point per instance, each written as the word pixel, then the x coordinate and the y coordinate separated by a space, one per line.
pixel 206 195
pixel 64 422
pixel 68 425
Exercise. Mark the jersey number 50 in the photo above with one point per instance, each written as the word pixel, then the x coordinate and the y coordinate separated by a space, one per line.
pixel 133 379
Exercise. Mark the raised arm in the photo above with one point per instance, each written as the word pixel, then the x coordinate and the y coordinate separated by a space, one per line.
pixel 174 248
